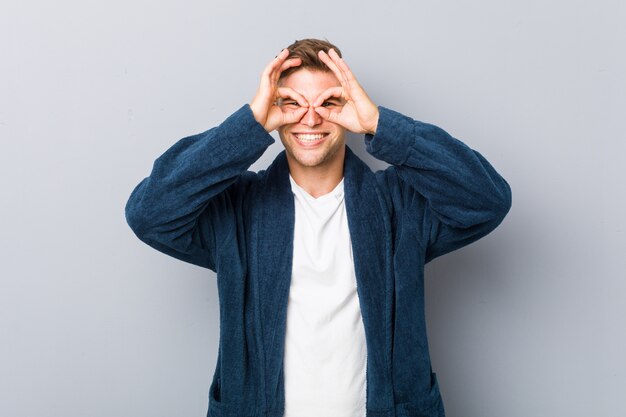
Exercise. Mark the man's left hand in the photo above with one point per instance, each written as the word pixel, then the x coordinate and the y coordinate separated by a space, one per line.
pixel 359 114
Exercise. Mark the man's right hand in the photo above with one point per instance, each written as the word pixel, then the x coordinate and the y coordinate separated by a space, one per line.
pixel 265 106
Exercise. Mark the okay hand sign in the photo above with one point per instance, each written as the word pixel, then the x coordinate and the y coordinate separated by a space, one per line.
pixel 359 114
pixel 265 106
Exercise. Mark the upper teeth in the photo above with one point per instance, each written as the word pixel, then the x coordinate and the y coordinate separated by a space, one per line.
pixel 310 137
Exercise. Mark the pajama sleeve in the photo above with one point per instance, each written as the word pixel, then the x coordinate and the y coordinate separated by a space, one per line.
pixel 459 197
pixel 186 201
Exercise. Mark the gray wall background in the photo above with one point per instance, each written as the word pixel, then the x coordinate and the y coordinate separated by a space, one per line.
pixel 527 322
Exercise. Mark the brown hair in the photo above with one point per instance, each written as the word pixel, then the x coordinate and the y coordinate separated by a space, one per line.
pixel 306 50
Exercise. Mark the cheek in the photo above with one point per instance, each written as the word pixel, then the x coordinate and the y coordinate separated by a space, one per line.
pixel 340 132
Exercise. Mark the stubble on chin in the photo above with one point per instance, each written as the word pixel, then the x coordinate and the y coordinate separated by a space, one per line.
pixel 311 159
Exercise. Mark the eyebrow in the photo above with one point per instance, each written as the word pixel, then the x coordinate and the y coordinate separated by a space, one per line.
pixel 281 100
pixel 339 100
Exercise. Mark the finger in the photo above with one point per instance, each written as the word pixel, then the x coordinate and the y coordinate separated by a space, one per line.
pixel 293 62
pixel 326 114
pixel 332 65
pixel 294 116
pixel 267 77
pixel 341 64
pixel 276 62
pixel 328 93
pixel 286 92
pixel 334 58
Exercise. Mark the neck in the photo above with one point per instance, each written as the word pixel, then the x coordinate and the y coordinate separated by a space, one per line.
pixel 317 180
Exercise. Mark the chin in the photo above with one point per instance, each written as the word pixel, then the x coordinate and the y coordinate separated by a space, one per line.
pixel 309 160
pixel 316 159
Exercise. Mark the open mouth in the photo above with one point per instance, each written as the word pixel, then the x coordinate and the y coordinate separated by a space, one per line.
pixel 310 139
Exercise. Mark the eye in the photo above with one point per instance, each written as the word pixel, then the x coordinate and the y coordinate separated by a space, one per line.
pixel 328 104
pixel 290 103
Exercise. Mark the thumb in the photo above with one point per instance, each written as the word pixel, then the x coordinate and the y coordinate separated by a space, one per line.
pixel 326 114
pixel 294 116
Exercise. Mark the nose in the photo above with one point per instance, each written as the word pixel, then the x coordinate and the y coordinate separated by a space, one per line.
pixel 311 118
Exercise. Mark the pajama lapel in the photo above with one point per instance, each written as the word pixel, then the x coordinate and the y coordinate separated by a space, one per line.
pixel 274 252
pixel 371 238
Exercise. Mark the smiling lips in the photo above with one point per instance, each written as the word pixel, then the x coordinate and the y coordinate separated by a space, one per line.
pixel 309 139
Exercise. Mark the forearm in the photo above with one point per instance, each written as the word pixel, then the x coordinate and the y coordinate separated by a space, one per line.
pixel 463 190
pixel 167 204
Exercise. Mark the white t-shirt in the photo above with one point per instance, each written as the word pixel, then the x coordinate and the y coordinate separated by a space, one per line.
pixel 325 350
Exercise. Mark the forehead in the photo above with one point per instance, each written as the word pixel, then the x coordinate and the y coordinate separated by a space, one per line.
pixel 310 83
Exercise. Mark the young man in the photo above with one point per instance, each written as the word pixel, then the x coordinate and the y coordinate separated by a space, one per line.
pixel 319 260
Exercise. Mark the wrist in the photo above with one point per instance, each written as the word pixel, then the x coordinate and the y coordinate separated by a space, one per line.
pixel 372 129
pixel 258 114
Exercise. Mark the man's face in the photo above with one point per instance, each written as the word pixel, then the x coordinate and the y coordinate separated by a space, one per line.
pixel 313 141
